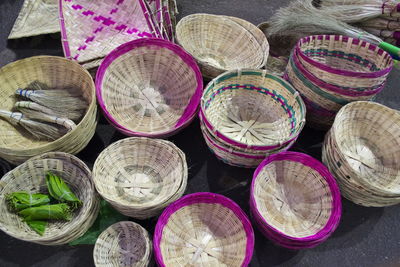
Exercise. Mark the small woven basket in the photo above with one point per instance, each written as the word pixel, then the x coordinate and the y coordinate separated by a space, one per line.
pixel 57 72
pixel 30 177
pixel 362 151
pixel 149 87
pixel 139 176
pixel 123 244
pixel 295 200
pixel 219 44
pixel 203 229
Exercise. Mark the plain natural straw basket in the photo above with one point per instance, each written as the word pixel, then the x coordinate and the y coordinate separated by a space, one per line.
pixel 15 145
pixel 203 229
pixel 218 43
pixel 123 244
pixel 30 177
pixel 140 176
pixel 362 151
pixel 149 87
pixel 295 200
pixel 252 109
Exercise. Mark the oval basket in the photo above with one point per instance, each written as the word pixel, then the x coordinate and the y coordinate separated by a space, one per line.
pixel 149 87
pixel 203 229
pixel 16 146
pixel 362 151
pixel 30 177
pixel 140 176
pixel 123 244
pixel 294 200
pixel 219 44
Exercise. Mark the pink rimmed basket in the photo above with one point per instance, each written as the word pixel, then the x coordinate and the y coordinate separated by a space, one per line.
pixel 149 87
pixel 294 200
pixel 203 229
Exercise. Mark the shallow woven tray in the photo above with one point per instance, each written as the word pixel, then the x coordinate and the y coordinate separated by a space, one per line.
pixel 295 200
pixel 149 87
pixel 218 43
pixel 30 177
pixel 123 244
pixel 140 176
pixel 16 145
pixel 252 109
pixel 203 229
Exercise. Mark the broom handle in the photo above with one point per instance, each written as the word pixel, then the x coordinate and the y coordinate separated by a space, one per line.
pixel 391 49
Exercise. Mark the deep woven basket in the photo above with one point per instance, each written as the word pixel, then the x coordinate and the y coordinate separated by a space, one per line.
pixel 123 244
pixel 362 152
pixel 140 176
pixel 30 177
pixel 219 44
pixel 203 229
pixel 294 200
pixel 15 145
pixel 149 87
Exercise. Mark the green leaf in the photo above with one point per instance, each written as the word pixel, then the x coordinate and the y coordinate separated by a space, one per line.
pixel 37 226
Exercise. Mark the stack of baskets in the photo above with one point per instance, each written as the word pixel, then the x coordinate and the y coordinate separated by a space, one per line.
pixel 362 150
pixel 294 200
pixel 247 115
pixel 140 176
pixel 331 70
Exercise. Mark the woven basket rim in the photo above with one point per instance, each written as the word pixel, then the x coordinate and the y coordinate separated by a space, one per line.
pixel 90 105
pixel 179 51
pixel 203 197
pixel 264 73
pixel 330 69
pixel 315 164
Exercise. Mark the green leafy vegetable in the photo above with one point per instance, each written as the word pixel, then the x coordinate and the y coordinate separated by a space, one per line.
pixel 60 191
pixel 21 200
pixel 38 226
pixel 48 212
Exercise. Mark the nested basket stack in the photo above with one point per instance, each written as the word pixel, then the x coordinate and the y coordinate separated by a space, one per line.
pixel 247 115
pixel 140 176
pixel 294 200
pixel 30 177
pixel 149 87
pixel 222 43
pixel 203 229
pixel 332 70
pixel 16 146
pixel 123 244
pixel 362 150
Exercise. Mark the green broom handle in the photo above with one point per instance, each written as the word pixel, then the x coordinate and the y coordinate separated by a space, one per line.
pixel 391 49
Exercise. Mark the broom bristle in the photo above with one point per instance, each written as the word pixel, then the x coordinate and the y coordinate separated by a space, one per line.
pixel 73 115
pixel 37 115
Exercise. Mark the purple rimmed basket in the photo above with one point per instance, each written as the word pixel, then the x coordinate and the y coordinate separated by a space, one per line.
pixel 294 200
pixel 203 228
pixel 149 87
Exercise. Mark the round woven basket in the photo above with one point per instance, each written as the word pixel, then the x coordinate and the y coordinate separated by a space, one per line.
pixel 362 151
pixel 30 177
pixel 219 44
pixel 203 229
pixel 253 110
pixel 139 176
pixel 15 145
pixel 295 200
pixel 149 87
pixel 123 244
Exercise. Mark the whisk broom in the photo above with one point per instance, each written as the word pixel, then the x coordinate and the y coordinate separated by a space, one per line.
pixel 74 115
pixel 380 23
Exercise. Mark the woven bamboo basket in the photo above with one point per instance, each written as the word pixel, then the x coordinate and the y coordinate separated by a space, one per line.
pixel 219 44
pixel 149 87
pixel 140 176
pixel 30 177
pixel 295 200
pixel 361 150
pixel 252 110
pixel 15 145
pixel 35 18
pixel 203 229
pixel 123 244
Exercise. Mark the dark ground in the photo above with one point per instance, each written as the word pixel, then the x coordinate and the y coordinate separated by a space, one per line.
pixel 365 237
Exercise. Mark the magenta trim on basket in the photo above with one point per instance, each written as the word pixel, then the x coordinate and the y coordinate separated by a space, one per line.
pixel 396 35
pixel 333 220
pixel 202 197
pixel 149 19
pixel 64 39
pixel 193 104
pixel 329 69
